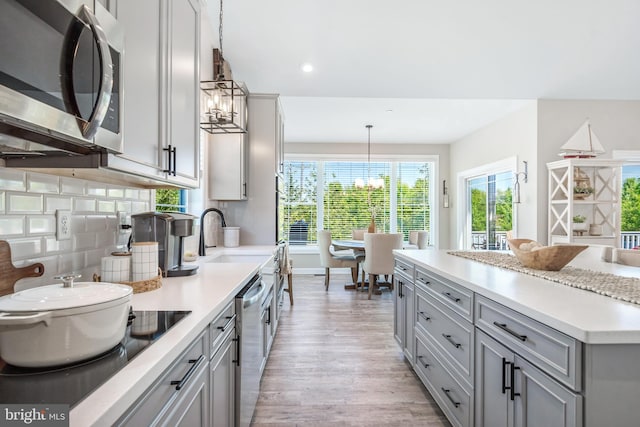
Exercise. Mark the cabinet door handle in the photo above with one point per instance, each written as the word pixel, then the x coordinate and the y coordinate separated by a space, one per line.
pixel 424 316
pixel 446 392
pixel 237 340
pixel 424 280
pixel 244 189
pixel 513 381
pixel 400 289
pixel 229 323
pixel 171 160
pixel 451 297
pixel 504 327
pixel 453 343
pixel 426 365
pixel 505 363
pixel 196 363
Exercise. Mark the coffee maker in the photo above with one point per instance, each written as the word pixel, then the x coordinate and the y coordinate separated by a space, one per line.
pixel 168 229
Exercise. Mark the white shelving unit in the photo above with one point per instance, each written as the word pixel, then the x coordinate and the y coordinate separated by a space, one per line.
pixel 601 207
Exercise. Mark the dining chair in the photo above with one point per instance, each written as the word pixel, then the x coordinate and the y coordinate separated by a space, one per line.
pixel 358 233
pixel 329 260
pixel 419 238
pixel 378 258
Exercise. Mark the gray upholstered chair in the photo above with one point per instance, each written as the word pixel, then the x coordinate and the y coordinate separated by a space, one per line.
pixel 329 260
pixel 418 238
pixel 378 259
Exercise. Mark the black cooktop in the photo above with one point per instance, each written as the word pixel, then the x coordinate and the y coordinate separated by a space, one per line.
pixel 71 383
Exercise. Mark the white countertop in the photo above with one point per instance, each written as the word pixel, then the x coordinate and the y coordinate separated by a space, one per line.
pixel 205 294
pixel 584 315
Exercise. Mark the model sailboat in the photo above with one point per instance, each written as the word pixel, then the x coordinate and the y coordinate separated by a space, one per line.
pixel 583 144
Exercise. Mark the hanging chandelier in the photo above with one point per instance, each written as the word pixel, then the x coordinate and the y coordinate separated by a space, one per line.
pixel 223 101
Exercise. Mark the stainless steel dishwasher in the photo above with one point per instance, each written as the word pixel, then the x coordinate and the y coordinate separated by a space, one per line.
pixel 250 341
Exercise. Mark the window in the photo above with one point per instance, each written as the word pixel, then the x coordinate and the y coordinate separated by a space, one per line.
pixel 333 195
pixel 630 206
pixel 171 200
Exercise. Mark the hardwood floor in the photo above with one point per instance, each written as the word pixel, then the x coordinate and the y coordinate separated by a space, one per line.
pixel 334 362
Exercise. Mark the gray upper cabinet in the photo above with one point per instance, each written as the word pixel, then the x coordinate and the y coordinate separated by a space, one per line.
pixel 161 79
pixel 228 167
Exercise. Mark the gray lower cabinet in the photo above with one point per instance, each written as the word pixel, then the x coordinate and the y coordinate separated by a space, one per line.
pixel 512 392
pixel 180 397
pixel 222 374
pixel 404 309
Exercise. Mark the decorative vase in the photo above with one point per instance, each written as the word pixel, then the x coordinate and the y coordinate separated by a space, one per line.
pixel 580 227
pixel 595 230
pixel 372 226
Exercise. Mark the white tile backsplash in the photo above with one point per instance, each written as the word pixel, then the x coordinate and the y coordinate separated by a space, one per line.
pixel 11 226
pixel 53 203
pixel 84 204
pixel 24 203
pixel 40 183
pixel 28 202
pixel 11 179
pixel 73 186
pixel 41 224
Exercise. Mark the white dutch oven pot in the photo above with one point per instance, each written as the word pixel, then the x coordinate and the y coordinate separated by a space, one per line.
pixel 61 324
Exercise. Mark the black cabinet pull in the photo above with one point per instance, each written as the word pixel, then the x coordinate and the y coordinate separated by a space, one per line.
pixel 446 391
pixel 453 343
pixel 175 163
pixel 268 321
pixel 196 362
pixel 505 363
pixel 169 160
pixel 424 280
pixel 237 340
pixel 400 289
pixel 451 297
pixel 504 327
pixel 424 316
pixel 426 365
pixel 244 189
pixel 513 381
pixel 229 323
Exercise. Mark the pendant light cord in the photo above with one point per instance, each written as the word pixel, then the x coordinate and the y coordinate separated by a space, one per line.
pixel 220 30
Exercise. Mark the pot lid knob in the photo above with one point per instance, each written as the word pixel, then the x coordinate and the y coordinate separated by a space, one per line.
pixel 67 279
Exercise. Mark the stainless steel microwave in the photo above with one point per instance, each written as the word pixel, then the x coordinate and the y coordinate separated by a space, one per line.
pixel 61 82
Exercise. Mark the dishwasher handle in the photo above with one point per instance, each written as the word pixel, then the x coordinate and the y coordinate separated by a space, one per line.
pixel 254 295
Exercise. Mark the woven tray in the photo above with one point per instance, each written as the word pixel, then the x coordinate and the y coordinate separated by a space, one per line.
pixel 142 285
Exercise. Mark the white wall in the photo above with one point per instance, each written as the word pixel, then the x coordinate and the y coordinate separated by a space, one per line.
pixel 512 136
pixel 359 151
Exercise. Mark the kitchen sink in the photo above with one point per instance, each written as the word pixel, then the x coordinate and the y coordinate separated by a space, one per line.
pixel 240 258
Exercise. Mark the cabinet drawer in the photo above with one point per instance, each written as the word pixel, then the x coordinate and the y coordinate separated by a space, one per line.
pixel 452 295
pixel 554 352
pixel 155 404
pixel 452 397
pixel 452 333
pixel 221 324
pixel 404 269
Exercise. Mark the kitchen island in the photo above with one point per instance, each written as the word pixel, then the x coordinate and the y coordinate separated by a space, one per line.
pixel 498 347
pixel 205 294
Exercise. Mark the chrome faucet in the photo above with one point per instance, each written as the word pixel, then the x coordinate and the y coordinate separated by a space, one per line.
pixel 201 247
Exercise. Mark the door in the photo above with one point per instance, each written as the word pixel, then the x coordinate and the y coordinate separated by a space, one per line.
pixel 409 320
pixel 222 377
pixel 490 208
pixel 542 402
pixel 494 407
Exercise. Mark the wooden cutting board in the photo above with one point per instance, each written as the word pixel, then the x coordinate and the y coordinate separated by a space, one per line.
pixel 9 274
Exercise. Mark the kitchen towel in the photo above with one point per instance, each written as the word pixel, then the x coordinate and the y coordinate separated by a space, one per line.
pixel 144 260
pixel 115 269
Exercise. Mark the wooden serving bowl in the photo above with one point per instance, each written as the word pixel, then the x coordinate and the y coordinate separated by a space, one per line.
pixel 549 258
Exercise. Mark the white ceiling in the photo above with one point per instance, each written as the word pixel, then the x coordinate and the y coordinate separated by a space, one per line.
pixel 446 68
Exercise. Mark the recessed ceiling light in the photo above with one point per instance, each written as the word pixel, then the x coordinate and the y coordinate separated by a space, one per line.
pixel 307 68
